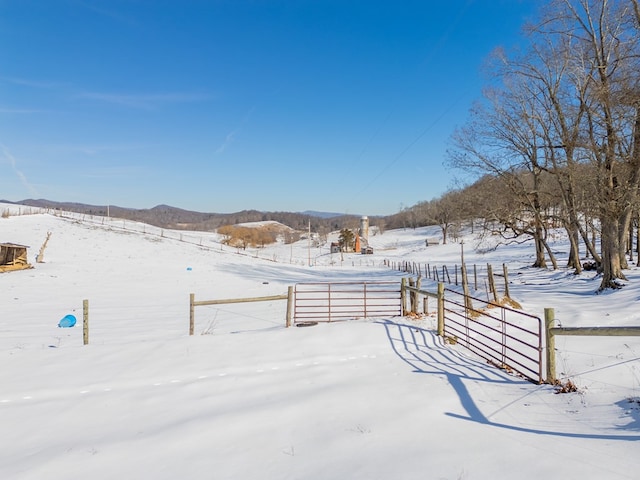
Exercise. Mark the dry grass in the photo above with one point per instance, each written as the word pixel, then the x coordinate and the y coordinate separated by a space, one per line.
pixel 565 387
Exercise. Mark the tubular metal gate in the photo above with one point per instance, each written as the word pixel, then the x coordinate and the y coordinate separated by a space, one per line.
pixel 508 339
pixel 331 302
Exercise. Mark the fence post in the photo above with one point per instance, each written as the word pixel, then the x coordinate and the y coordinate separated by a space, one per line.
pixel 549 319
pixel 403 295
pixel 289 305
pixel 475 277
pixel 506 280
pixel 492 284
pixel 85 322
pixel 441 309
pixel 191 313
pixel 412 296
pixel 465 290
pixel 418 286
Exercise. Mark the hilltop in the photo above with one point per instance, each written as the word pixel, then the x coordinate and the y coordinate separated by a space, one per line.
pixel 166 216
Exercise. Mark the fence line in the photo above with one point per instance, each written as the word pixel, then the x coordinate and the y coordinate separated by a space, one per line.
pixel 457 275
pixel 551 332
pixel 193 303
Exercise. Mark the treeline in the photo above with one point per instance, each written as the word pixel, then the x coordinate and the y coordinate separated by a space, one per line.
pixel 244 237
pixel 555 140
pixel 165 216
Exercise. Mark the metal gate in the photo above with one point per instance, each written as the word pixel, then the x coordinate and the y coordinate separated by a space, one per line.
pixel 339 301
pixel 507 338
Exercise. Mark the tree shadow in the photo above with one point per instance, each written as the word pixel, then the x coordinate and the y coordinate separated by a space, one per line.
pixel 426 353
pixel 631 408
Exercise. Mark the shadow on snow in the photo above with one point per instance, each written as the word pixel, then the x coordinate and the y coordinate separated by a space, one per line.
pixel 424 351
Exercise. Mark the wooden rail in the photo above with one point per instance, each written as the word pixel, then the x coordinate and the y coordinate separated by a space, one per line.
pixel 439 296
pixel 551 332
pixel 193 303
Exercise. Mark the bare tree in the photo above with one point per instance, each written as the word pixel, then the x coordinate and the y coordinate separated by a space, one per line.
pixel 606 50
pixel 502 139
pixel 571 101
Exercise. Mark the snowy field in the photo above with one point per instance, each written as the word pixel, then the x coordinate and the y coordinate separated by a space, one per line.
pixel 247 398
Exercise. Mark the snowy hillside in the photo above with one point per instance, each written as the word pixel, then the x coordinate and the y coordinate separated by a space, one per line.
pixel 247 398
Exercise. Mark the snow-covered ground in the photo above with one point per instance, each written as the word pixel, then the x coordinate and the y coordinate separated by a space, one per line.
pixel 247 398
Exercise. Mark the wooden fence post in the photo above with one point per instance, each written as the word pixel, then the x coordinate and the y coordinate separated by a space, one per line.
pixel 191 313
pixel 403 296
pixel 492 283
pixel 506 280
pixel 549 319
pixel 441 309
pixel 289 305
pixel 412 296
pixel 475 277
pixel 465 290
pixel 85 322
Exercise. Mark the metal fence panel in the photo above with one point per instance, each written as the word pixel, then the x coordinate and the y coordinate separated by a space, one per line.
pixel 336 301
pixel 505 337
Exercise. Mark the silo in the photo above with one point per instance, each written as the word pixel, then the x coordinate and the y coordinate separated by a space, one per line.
pixel 364 228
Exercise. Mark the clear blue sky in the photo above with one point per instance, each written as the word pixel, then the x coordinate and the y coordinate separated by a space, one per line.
pixel 220 106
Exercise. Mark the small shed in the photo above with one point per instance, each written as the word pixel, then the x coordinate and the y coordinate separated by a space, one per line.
pixel 430 241
pixel 13 257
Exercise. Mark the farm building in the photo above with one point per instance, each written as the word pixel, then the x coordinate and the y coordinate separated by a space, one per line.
pixel 13 257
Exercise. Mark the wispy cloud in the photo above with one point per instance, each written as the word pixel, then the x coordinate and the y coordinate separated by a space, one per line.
pixel 14 165
pixel 227 141
pixel 20 111
pixel 93 149
pixel 144 101
pixel 26 82
pixel 230 138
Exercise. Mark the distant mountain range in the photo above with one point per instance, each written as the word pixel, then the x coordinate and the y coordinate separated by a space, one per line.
pixel 166 216
pixel 313 213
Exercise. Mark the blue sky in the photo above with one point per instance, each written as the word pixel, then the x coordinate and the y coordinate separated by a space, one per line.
pixel 220 106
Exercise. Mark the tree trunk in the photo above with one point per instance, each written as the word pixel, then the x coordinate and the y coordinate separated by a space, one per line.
pixel 638 239
pixel 574 250
pixel 541 261
pixel 611 265
pixel 444 228
pixel 538 237
pixel 552 257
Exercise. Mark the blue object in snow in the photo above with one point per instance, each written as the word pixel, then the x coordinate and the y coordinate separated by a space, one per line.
pixel 67 321
pixel 189 269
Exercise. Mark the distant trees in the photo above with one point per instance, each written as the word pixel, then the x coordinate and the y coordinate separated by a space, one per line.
pixel 243 237
pixel 291 237
pixel 560 129
pixel 346 240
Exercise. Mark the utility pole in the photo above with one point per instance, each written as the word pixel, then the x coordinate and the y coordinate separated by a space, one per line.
pixel 309 243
